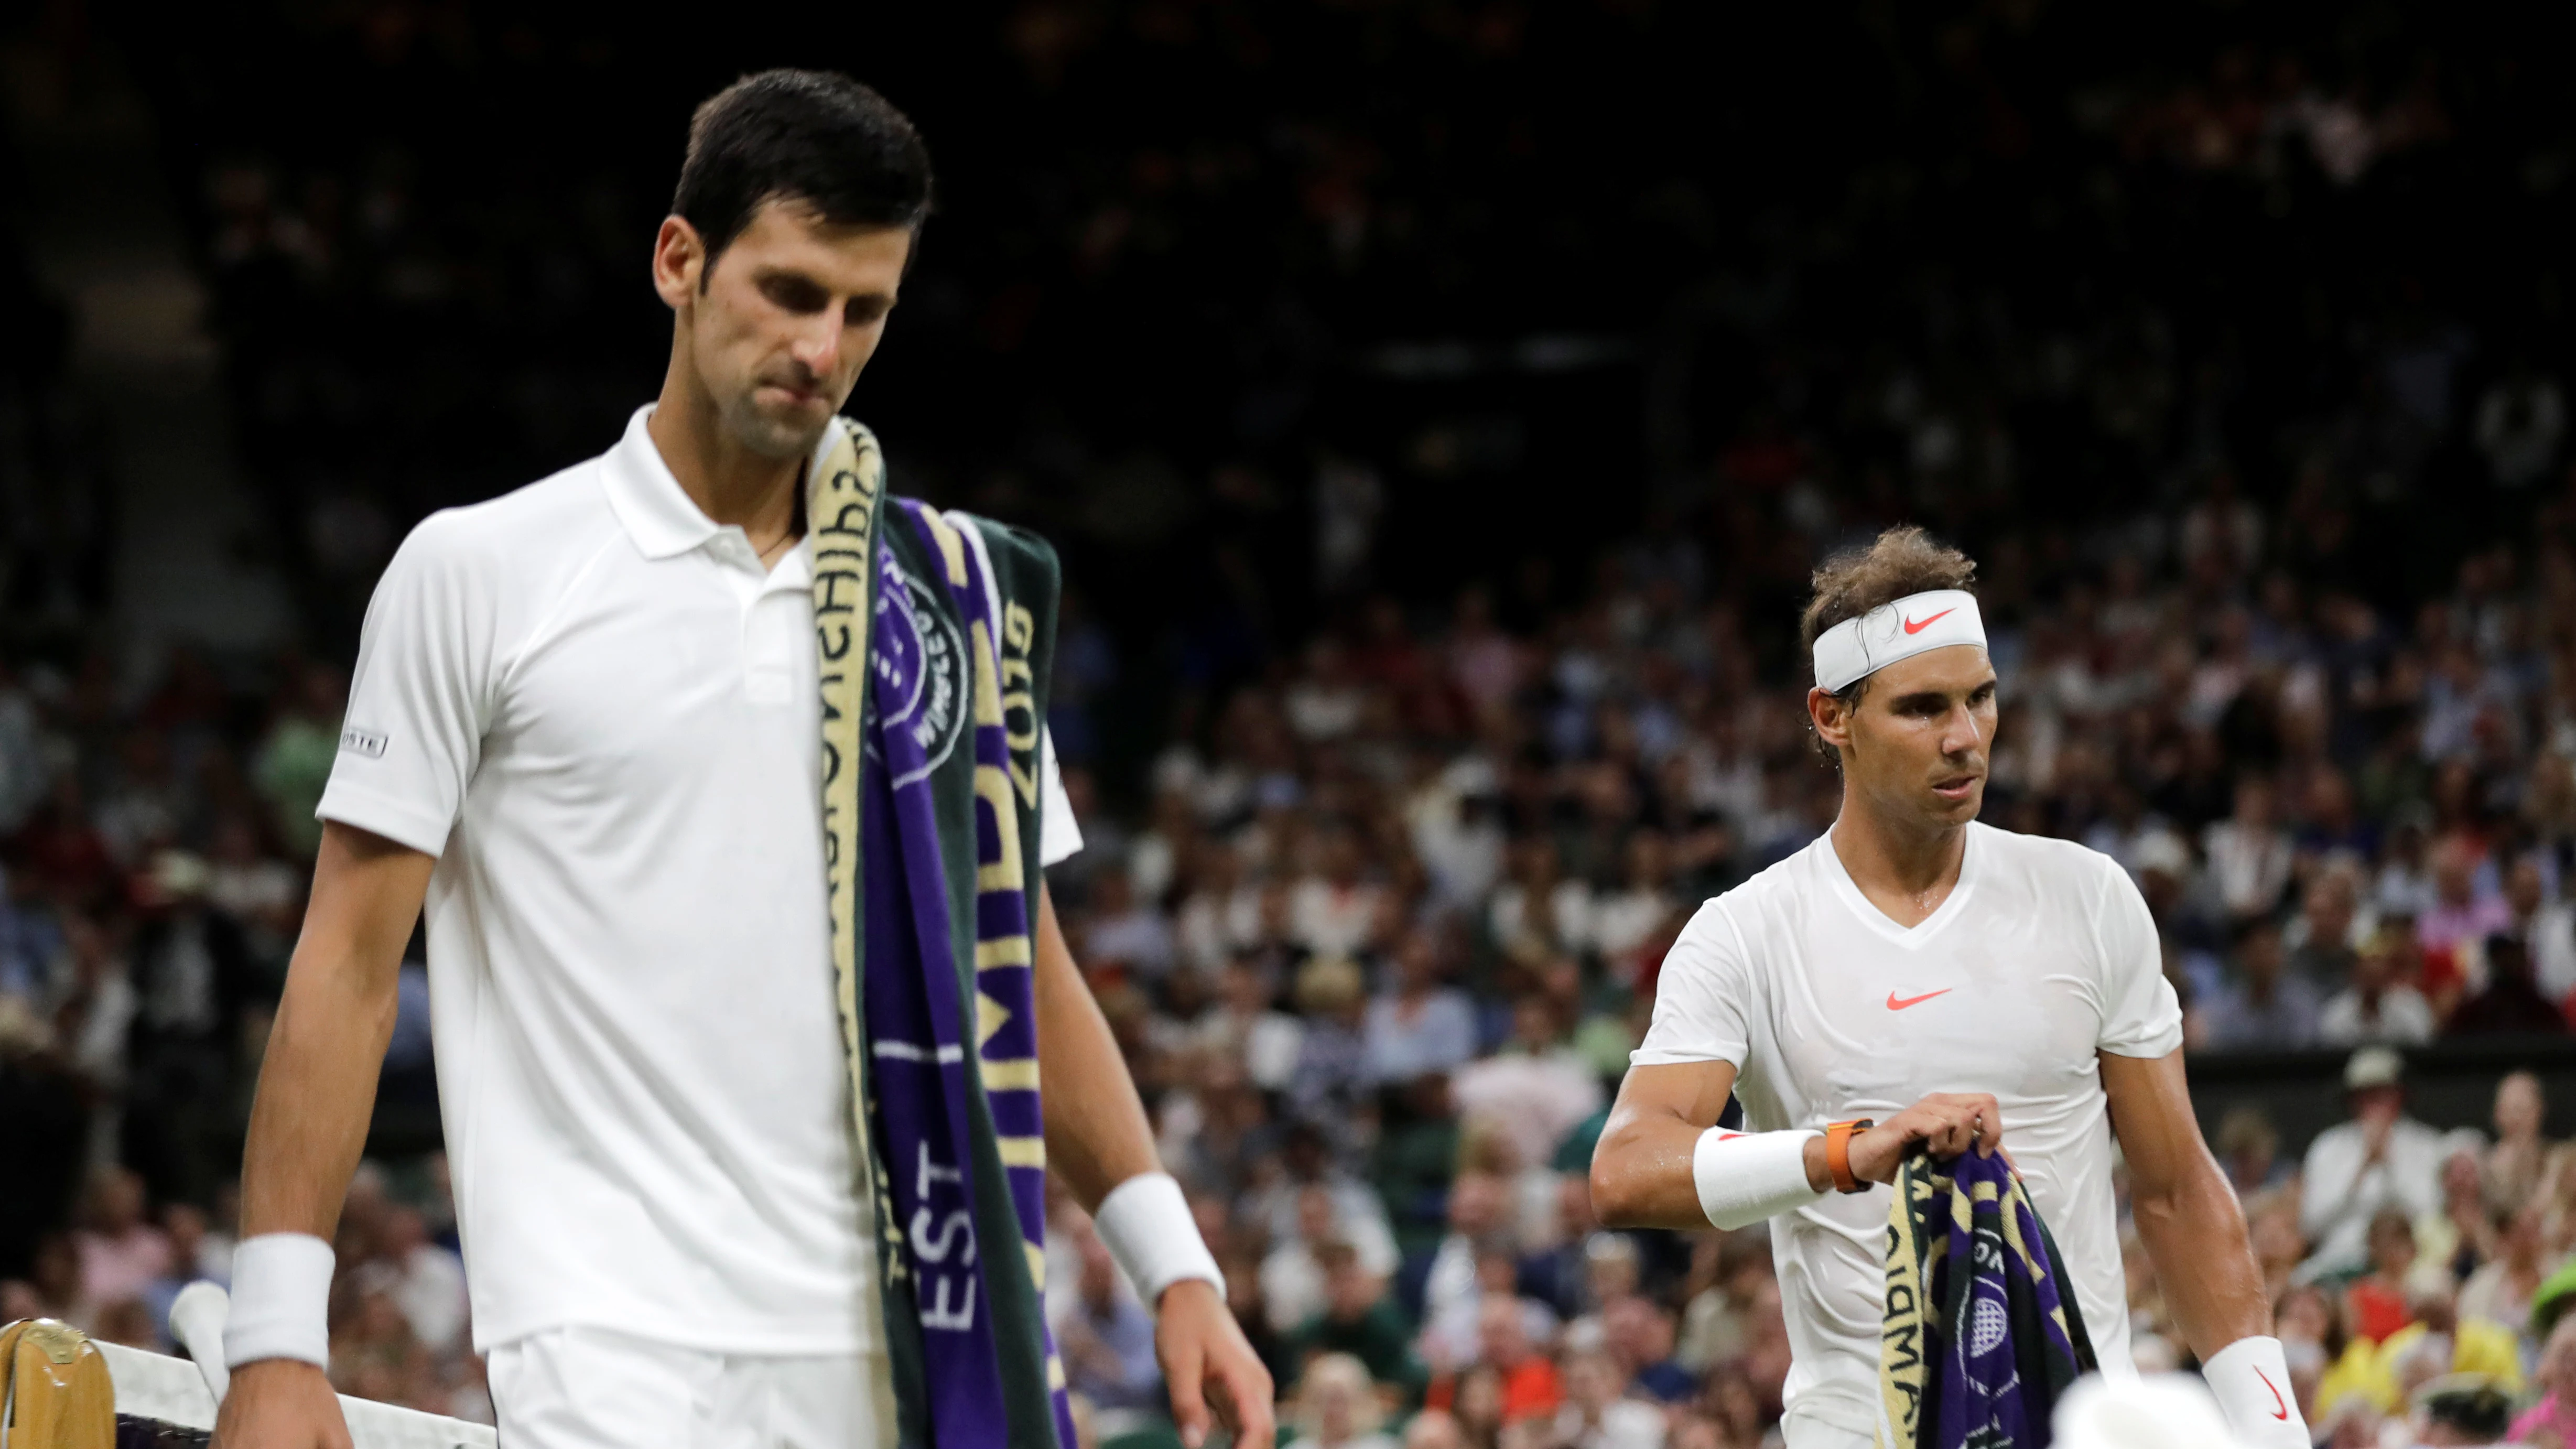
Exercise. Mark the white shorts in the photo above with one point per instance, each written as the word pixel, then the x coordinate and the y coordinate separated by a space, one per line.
pixel 595 1388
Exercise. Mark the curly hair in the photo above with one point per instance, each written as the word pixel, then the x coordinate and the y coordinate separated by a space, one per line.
pixel 1904 560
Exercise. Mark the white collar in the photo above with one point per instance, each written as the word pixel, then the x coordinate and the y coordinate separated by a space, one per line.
pixel 646 497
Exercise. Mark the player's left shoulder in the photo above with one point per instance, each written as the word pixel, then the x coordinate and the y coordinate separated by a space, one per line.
pixel 2046 859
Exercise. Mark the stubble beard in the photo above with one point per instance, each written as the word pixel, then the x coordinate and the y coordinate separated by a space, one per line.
pixel 767 435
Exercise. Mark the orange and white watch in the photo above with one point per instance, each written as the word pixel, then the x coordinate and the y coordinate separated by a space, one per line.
pixel 1838 1136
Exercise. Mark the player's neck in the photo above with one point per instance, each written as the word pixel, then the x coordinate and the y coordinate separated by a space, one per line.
pixel 730 483
pixel 1904 869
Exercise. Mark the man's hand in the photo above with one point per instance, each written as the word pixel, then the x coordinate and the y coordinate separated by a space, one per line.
pixel 1945 1123
pixel 280 1403
pixel 2377 1125
pixel 1210 1366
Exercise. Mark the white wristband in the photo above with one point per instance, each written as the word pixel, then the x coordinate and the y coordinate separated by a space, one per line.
pixel 1146 1225
pixel 2251 1381
pixel 281 1300
pixel 1744 1177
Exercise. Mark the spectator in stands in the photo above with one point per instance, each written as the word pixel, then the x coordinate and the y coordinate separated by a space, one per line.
pixel 1420 1026
pixel 1597 1414
pixel 1535 1089
pixel 1641 911
pixel 426 1279
pixel 2439 1342
pixel 2547 929
pixel 1280 1202
pixel 2455 1238
pixel 2249 1147
pixel 1332 1059
pixel 2320 936
pixel 1337 910
pixel 2509 1003
pixel 1336 1407
pixel 2554 1414
pixel 1246 1030
pixel 1292 1277
pixel 1540 911
pixel 2377 1300
pixel 52 1287
pixel 2519 1162
pixel 1456 1336
pixel 2379 1161
pixel 1433 1429
pixel 121 1252
pixel 1450 1286
pixel 1476 1403
pixel 1359 1319
pixel 2460 915
pixel 2249 854
pixel 1106 1338
pixel 1125 934
pixel 294 761
pixel 1531 1387
pixel 2264 1005
pixel 195 1254
pixel 2500 1291
pixel 2379 1006
pixel 1412 1167
pixel 1639 1332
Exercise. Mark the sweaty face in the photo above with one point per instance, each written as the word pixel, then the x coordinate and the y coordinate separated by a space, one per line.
pixel 1916 741
pixel 782 321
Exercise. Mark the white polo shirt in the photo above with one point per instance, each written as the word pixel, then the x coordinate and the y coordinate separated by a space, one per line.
pixel 2042 957
pixel 601 714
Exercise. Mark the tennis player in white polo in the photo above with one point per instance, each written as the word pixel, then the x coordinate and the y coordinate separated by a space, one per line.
pixel 586 727
pixel 1963 986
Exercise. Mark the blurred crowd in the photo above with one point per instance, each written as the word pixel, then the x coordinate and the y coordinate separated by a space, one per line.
pixel 1414 693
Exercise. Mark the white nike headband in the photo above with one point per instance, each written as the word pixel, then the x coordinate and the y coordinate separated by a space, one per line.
pixel 1858 647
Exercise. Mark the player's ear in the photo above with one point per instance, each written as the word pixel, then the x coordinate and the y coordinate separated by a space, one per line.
pixel 1831 715
pixel 679 254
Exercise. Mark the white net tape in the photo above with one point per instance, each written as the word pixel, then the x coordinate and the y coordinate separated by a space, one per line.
pixel 175 1392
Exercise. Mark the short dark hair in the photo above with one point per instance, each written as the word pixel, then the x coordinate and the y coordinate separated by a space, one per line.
pixel 808 136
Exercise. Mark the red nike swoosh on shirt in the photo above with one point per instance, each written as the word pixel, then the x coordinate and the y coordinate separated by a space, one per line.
pixel 2280 1409
pixel 1917 626
pixel 1895 1005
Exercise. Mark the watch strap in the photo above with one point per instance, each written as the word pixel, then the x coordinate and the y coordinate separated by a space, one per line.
pixel 1838 1136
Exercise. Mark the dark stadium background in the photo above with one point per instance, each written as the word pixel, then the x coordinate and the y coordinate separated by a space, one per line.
pixel 1290 322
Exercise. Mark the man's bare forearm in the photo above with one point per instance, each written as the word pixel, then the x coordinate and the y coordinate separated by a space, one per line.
pixel 1097 1135
pixel 2196 1235
pixel 2186 1212
pixel 317 1085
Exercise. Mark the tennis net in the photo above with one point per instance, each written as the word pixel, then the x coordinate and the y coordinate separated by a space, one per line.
pixel 164 1403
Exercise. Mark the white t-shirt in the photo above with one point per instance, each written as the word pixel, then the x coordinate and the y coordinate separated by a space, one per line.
pixel 2042 955
pixel 601 714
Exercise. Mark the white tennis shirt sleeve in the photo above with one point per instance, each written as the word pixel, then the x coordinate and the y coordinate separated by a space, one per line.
pixel 1059 834
pixel 2141 1016
pixel 1701 996
pixel 420 701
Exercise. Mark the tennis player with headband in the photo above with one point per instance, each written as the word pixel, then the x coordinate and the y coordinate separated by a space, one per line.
pixel 1916 977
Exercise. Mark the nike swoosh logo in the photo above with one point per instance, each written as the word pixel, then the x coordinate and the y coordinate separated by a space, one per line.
pixel 1917 626
pixel 2280 1410
pixel 1895 1005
